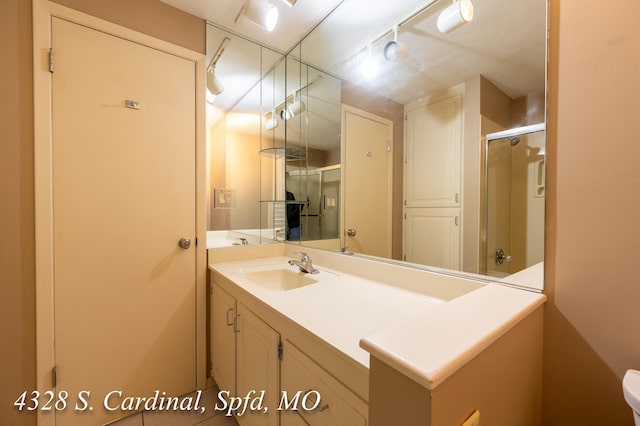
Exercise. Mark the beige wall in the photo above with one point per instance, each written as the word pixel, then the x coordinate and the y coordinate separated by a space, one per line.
pixel 150 17
pixel 17 246
pixel 593 233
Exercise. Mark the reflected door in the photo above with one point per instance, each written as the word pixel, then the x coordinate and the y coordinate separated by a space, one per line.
pixel 367 182
pixel 124 196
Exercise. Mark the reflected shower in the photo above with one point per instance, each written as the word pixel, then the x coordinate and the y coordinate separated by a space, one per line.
pixel 514 140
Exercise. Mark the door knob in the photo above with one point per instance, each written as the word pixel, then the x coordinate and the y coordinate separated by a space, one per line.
pixel 351 232
pixel 184 243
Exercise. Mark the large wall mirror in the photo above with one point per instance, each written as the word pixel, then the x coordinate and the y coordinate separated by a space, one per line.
pixel 381 135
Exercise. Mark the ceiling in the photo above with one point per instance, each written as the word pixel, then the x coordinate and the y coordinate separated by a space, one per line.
pixel 505 43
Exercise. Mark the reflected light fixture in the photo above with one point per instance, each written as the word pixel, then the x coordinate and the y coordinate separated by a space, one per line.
pixel 271 122
pixel 214 87
pixel 456 15
pixel 394 50
pixel 260 12
pixel 295 108
pixel 369 66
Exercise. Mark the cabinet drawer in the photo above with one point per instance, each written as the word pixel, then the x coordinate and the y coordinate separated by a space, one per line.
pixel 338 406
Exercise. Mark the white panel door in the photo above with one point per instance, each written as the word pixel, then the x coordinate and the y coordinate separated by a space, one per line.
pixel 123 197
pixel 432 152
pixel 367 181
pixel 432 237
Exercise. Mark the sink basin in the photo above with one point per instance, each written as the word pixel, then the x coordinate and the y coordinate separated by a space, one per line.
pixel 280 279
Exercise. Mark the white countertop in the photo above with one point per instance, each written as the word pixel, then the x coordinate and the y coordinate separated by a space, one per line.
pixel 339 308
pixel 426 338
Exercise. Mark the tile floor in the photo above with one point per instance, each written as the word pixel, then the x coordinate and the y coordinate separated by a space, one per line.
pixel 210 417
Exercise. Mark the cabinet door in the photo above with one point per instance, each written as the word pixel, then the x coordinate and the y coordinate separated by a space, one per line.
pixel 223 340
pixel 432 152
pixel 432 237
pixel 258 367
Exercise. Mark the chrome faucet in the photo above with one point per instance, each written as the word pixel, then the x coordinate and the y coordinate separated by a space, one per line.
pixel 244 241
pixel 304 264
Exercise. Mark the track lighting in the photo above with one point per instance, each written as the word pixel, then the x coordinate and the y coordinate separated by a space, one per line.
pixel 271 122
pixel 456 15
pixel 214 87
pixel 369 67
pixel 394 50
pixel 260 12
pixel 295 108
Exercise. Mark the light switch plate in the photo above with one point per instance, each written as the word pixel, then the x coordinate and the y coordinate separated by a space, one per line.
pixel 473 419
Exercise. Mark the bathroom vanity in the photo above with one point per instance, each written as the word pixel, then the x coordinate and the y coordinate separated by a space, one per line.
pixel 377 343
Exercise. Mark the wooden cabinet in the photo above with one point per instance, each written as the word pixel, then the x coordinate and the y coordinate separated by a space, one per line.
pixel 432 151
pixel 244 353
pixel 223 339
pixel 255 350
pixel 432 237
pixel 338 406
pixel 257 366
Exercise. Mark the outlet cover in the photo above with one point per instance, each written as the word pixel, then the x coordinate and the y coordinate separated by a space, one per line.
pixel 473 420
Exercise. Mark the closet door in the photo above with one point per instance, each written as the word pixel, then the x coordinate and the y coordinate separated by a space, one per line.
pixel 124 196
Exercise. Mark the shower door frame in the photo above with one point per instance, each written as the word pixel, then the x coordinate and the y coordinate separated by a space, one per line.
pixel 489 137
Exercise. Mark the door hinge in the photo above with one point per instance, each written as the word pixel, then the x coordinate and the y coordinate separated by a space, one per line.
pixel 209 366
pixel 196 242
pixel 54 377
pixel 51 60
pixel 388 146
pixel 405 216
pixel 280 350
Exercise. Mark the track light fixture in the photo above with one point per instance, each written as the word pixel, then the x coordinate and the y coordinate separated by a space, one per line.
pixel 271 122
pixel 214 87
pixel 293 109
pixel 260 12
pixel 369 66
pixel 395 50
pixel 456 15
